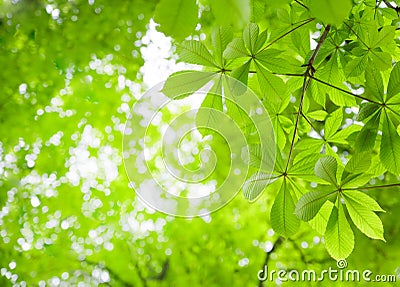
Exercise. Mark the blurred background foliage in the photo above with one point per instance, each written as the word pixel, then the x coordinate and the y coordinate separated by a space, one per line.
pixel 70 72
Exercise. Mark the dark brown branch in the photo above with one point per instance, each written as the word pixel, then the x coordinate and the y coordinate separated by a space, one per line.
pixel 307 78
pixel 113 274
pixel 276 244
pixel 163 272
pixel 389 5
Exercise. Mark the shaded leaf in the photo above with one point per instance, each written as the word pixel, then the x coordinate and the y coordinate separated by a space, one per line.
pixel 311 202
pixel 326 169
pixel 255 185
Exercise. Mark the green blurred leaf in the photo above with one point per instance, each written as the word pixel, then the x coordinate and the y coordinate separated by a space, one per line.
pixel 177 18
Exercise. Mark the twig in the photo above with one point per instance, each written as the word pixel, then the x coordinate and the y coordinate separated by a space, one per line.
pixel 389 5
pixel 276 244
pixel 307 78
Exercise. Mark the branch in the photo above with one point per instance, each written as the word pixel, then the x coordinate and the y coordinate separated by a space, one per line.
pixel 389 5
pixel 276 244
pixel 307 78
pixel 113 274
pixel 163 272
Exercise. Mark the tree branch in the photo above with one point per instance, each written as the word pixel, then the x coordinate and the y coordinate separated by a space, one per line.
pixel 113 274
pixel 307 78
pixel 277 243
pixel 389 5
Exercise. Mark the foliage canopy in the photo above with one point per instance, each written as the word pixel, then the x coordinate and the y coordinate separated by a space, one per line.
pixel 326 71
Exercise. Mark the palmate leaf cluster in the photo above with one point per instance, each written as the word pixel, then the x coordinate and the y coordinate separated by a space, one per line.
pixel 334 109
pixel 71 71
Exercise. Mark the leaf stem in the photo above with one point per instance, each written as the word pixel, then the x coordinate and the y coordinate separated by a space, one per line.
pixel 311 124
pixel 287 33
pixel 301 4
pixel 344 91
pixel 358 37
pixel 374 187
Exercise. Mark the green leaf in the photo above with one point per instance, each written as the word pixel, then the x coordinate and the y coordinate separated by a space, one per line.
pixel 382 38
pixel 303 164
pixel 177 18
pixel 209 113
pixel 242 73
pixel 357 65
pixel 360 162
pixel 311 202
pixel 356 180
pixel 236 49
pixel 195 52
pixel 262 38
pixel 333 123
pixel 390 146
pixel 326 169
pixel 363 199
pixel 250 36
pixel 366 110
pixel 341 136
pixel 283 221
pixel 255 185
pixel 220 38
pixel 231 12
pixel 319 115
pixel 182 84
pixel 272 86
pixel 257 8
pixel 394 83
pixel 258 158
pixel 374 83
pixel 320 221
pixel 365 140
pixel 339 238
pixel 270 59
pixel 330 12
pixel 365 219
